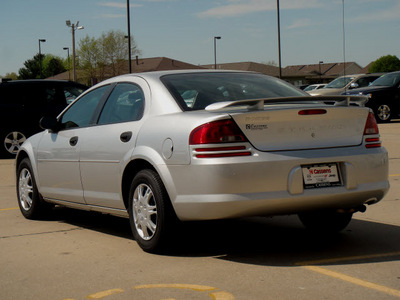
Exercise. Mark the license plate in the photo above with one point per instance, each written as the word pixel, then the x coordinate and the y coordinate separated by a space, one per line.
pixel 321 175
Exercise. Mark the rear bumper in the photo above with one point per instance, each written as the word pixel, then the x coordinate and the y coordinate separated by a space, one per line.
pixel 271 184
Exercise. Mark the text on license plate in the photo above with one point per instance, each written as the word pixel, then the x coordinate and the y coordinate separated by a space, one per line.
pixel 322 175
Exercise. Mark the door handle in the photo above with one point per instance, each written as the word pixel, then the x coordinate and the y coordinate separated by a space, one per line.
pixel 73 141
pixel 125 136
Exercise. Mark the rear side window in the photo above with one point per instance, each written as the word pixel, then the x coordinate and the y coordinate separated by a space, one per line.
pixel 126 103
pixel 81 112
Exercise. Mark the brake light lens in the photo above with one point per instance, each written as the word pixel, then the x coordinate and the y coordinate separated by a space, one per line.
pixel 371 127
pixel 218 132
pixel 225 131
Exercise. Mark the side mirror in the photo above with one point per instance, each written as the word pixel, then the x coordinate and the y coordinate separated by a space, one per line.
pixel 354 85
pixel 49 122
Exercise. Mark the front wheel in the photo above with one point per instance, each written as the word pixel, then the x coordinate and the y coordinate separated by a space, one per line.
pixel 29 200
pixel 383 113
pixel 150 212
pixel 329 221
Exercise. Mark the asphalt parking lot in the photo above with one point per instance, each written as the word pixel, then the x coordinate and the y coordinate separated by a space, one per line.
pixel 82 255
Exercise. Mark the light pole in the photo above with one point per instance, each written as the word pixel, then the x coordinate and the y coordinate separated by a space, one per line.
pixel 129 36
pixel 74 27
pixel 69 64
pixel 320 73
pixel 279 39
pixel 215 50
pixel 40 57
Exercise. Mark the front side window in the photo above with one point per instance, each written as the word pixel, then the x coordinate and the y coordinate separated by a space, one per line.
pixel 81 112
pixel 195 91
pixel 125 104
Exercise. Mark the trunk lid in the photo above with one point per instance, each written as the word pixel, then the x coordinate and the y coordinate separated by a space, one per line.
pixel 295 127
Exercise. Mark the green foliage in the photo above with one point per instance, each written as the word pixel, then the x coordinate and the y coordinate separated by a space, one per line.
pixel 388 63
pixel 12 76
pixel 50 66
pixel 105 56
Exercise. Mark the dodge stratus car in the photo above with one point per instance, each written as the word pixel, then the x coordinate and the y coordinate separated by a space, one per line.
pixel 172 146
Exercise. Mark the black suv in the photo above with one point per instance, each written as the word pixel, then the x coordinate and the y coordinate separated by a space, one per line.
pixel 383 96
pixel 24 102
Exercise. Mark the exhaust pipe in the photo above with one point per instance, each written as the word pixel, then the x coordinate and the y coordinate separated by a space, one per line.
pixel 361 208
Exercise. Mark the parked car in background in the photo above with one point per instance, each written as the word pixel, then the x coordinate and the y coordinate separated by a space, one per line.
pixel 344 83
pixel 316 86
pixel 24 102
pixel 192 145
pixel 383 96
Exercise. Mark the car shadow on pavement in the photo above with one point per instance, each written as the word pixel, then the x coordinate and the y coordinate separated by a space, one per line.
pixel 277 241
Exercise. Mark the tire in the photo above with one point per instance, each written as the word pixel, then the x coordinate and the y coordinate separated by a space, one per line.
pixel 11 142
pixel 30 202
pixel 150 212
pixel 383 113
pixel 327 221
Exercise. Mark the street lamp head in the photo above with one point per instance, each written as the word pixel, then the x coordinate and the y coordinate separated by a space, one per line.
pixel 42 40
pixel 217 37
pixel 321 62
pixel 80 27
pixel 65 48
pixel 68 22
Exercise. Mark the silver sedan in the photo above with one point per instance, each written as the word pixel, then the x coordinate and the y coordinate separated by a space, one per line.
pixel 172 146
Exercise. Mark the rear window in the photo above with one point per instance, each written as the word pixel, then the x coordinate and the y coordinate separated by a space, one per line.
pixel 195 91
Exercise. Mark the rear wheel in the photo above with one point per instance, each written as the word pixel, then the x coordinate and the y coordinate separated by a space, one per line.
pixel 327 221
pixel 383 113
pixel 150 213
pixel 30 202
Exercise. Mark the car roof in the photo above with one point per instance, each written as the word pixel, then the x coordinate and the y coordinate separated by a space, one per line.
pixel 158 74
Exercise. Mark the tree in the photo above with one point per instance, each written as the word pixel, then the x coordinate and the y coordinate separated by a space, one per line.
pixel 32 68
pixel 388 63
pixel 51 65
pixel 106 56
pixel 12 76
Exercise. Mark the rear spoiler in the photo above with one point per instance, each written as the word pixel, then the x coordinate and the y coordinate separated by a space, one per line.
pixel 258 104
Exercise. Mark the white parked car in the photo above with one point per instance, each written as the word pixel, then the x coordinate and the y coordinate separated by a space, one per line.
pixel 243 144
pixel 316 86
pixel 344 83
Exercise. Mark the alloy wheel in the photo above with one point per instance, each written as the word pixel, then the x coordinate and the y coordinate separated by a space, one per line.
pixel 144 210
pixel 25 189
pixel 384 112
pixel 13 141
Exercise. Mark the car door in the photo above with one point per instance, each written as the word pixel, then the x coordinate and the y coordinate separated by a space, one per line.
pixel 58 152
pixel 107 147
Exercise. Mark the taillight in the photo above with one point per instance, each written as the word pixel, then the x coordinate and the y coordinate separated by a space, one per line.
pixel 225 131
pixel 218 132
pixel 371 128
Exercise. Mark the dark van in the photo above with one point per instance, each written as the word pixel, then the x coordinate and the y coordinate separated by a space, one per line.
pixel 24 102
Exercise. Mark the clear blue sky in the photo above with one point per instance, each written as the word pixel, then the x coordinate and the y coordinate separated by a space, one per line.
pixel 311 30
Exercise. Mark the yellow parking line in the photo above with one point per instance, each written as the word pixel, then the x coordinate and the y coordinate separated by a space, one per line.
pixel 103 294
pixel 11 208
pixel 393 175
pixel 215 295
pixel 194 287
pixel 367 284
pixel 310 265
pixel 348 258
